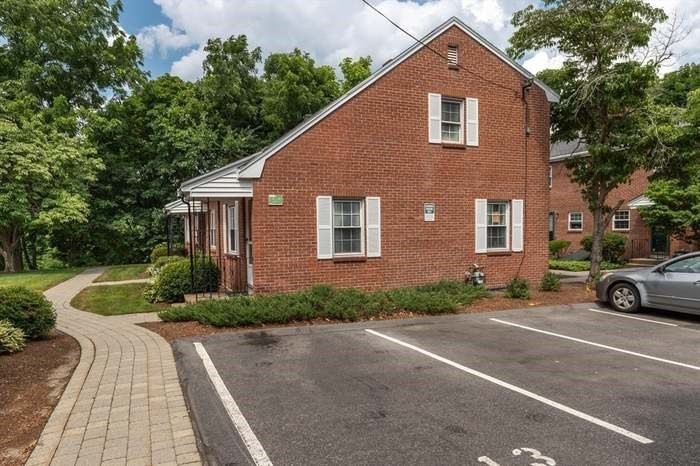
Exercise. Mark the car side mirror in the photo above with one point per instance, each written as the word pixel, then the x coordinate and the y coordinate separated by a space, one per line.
pixel 659 270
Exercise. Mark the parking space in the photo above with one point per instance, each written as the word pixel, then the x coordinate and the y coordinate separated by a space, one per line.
pixel 568 384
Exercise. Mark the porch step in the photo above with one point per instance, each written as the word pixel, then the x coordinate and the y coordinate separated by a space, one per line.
pixel 644 262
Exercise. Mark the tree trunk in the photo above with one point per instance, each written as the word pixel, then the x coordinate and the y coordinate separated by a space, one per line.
pixel 597 245
pixel 11 251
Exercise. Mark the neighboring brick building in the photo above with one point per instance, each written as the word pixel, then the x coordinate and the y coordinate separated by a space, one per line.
pixel 570 219
pixel 420 171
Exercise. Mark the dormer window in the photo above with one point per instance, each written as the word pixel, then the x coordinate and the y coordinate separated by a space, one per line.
pixel 452 57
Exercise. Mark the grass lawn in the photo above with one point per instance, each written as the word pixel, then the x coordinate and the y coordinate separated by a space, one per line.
pixel 39 280
pixel 119 273
pixel 113 300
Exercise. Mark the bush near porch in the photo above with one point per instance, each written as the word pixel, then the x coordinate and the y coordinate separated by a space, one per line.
pixel 173 280
pixel 325 302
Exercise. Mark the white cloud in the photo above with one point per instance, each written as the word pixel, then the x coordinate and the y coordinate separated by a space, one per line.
pixel 333 29
pixel 189 67
pixel 544 59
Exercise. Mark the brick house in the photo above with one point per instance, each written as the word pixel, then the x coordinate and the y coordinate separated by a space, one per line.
pixel 570 219
pixel 435 162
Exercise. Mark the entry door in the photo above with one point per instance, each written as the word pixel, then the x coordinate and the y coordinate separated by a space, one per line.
pixel 249 243
pixel 677 286
pixel 659 241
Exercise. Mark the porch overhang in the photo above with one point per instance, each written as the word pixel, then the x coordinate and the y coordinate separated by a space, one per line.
pixel 640 201
pixel 180 208
pixel 221 187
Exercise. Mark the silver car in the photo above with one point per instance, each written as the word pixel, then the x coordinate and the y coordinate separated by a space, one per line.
pixel 672 286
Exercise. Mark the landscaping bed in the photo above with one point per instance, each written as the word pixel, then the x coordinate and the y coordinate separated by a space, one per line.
pixel 39 280
pixel 580 266
pixel 31 383
pixel 570 293
pixel 112 300
pixel 120 273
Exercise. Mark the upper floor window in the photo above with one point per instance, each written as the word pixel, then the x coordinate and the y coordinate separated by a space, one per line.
pixel 621 220
pixel 452 124
pixel 575 221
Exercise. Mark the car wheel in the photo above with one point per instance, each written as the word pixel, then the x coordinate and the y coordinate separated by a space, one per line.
pixel 624 297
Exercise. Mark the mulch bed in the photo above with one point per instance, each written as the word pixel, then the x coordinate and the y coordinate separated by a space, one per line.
pixel 570 293
pixel 31 383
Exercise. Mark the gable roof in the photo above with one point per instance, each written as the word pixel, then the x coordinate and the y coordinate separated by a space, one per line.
pixel 251 166
pixel 559 151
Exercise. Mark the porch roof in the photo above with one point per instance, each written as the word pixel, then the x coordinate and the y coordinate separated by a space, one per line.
pixel 178 207
pixel 640 201
pixel 218 184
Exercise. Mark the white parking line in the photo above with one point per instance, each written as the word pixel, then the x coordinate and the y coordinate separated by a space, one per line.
pixel 599 345
pixel 516 389
pixel 617 314
pixel 256 450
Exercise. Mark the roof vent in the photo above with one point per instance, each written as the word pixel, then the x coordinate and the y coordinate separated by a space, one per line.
pixel 452 59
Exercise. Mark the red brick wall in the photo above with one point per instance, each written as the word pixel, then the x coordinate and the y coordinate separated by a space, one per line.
pixel 565 197
pixel 377 145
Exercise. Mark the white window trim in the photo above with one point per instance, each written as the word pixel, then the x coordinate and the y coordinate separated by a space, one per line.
pixel 508 229
pixel 569 223
pixel 629 221
pixel 462 119
pixel 363 232
pixel 551 176
pixel 213 229
pixel 235 248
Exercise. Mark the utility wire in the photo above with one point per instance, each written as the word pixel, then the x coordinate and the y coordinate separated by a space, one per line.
pixel 366 2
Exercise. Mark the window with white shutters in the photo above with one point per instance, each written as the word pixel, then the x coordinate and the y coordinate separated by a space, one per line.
pixel 453 120
pixel 348 227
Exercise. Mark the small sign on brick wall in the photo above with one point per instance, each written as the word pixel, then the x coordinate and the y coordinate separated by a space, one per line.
pixel 275 199
pixel 429 211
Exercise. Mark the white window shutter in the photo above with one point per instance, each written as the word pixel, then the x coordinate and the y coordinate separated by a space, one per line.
pixel 480 208
pixel 324 227
pixel 472 122
pixel 434 118
pixel 518 218
pixel 374 227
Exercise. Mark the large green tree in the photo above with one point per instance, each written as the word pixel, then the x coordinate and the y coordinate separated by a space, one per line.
pixel 675 86
pixel 294 87
pixel 604 88
pixel 355 71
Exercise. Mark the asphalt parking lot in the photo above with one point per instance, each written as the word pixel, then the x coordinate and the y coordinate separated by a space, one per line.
pixel 564 385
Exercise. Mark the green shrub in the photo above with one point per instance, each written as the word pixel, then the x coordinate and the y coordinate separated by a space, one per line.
pixel 518 288
pixel 28 310
pixel 323 301
pixel 158 265
pixel 550 282
pixel 581 266
pixel 160 250
pixel 174 280
pixel 614 246
pixel 558 247
pixel 11 338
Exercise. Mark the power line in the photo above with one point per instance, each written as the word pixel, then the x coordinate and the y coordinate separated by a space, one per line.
pixel 397 26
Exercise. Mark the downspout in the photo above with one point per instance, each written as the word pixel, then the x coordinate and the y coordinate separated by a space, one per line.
pixel 525 88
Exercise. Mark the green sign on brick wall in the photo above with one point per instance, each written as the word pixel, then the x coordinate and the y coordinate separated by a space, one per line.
pixel 275 199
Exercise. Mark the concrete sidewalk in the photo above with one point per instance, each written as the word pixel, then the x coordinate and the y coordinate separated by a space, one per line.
pixel 123 404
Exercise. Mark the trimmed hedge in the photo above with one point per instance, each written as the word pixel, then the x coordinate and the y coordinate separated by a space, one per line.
pixel 550 282
pixel 156 267
pixel 160 250
pixel 557 247
pixel 580 266
pixel 325 302
pixel 11 338
pixel 518 288
pixel 27 310
pixel 614 245
pixel 174 280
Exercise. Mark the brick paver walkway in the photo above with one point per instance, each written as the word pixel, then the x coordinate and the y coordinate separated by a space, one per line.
pixel 124 404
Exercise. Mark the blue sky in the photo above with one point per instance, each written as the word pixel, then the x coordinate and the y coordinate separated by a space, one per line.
pixel 172 33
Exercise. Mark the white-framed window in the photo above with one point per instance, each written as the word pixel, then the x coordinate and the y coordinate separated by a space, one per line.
pixel 575 221
pixel 348 227
pixel 452 112
pixel 212 228
pixel 232 229
pixel 621 220
pixel 497 224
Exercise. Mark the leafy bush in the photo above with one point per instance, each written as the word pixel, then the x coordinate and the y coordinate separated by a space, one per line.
pixel 174 280
pixel 518 288
pixel 550 282
pixel 160 250
pixel 323 301
pixel 11 338
pixel 158 265
pixel 27 310
pixel 558 247
pixel 614 245
pixel 580 266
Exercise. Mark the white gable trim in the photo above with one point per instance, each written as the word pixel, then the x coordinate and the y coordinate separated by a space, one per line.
pixel 252 166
